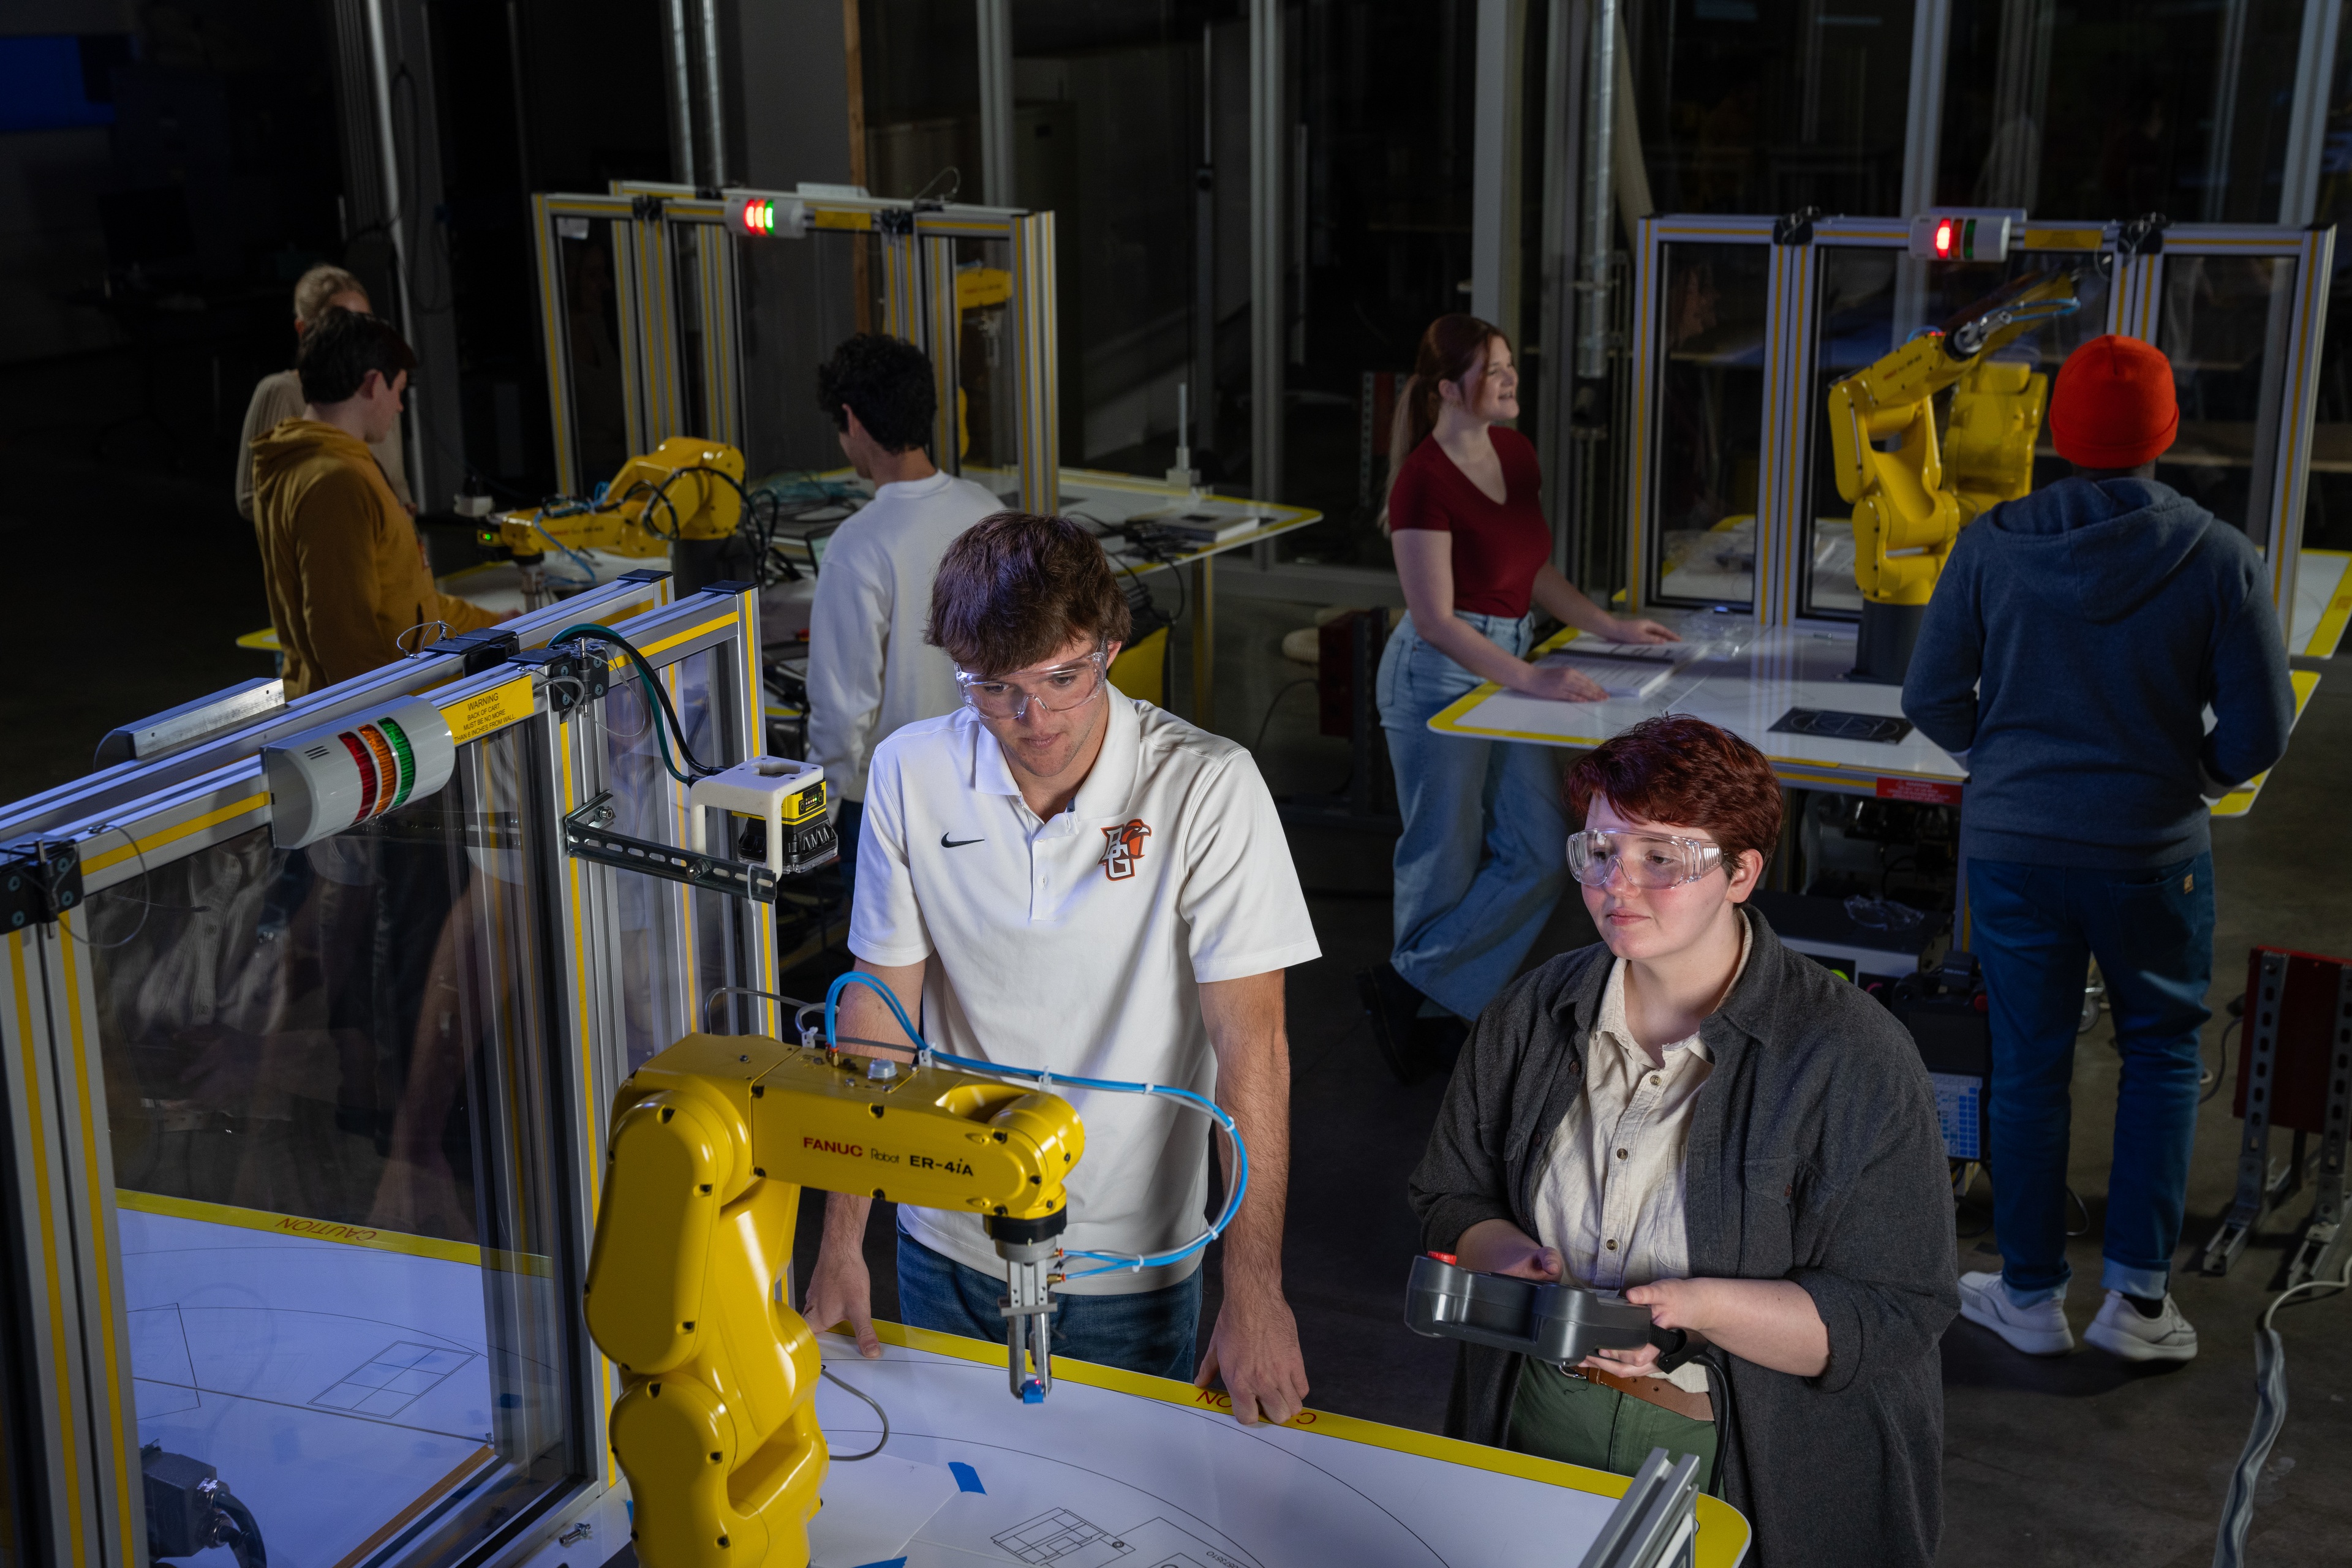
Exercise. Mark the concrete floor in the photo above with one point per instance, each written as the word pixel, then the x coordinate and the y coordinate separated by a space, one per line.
pixel 133 575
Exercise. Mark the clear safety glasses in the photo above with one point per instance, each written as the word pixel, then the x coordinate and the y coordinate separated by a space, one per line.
pixel 1650 860
pixel 1058 689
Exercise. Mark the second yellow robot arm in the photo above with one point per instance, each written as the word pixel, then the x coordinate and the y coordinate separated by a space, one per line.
pixel 686 487
pixel 1910 503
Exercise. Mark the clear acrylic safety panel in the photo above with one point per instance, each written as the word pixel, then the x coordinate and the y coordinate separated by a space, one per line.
pixel 1860 293
pixel 674 945
pixel 587 252
pixel 1715 302
pixel 798 298
pixel 686 240
pixel 2227 323
pixel 333 1095
pixel 20 1439
pixel 987 387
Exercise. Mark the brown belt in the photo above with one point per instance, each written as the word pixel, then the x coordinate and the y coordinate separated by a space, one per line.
pixel 1658 1391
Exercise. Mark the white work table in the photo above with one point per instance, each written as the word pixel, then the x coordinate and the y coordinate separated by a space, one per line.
pixel 1758 680
pixel 1115 1470
pixel 1103 499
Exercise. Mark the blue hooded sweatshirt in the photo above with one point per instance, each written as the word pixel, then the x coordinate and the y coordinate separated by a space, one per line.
pixel 2072 647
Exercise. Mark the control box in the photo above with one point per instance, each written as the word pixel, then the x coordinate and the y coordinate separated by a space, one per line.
pixel 1558 1324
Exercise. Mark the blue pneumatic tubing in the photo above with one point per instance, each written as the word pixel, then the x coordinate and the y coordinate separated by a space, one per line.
pixel 1112 1262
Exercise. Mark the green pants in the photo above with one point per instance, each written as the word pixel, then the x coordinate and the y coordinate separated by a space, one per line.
pixel 1557 1417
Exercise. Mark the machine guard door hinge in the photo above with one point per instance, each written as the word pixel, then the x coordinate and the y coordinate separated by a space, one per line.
pixel 40 878
pixel 1797 227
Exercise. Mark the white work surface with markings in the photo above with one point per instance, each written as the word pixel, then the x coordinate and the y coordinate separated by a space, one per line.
pixel 1747 684
pixel 1142 1473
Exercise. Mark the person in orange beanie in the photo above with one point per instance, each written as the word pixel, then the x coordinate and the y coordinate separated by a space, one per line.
pixel 2072 643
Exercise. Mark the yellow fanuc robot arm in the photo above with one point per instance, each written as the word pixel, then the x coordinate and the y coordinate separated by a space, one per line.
pixel 1911 503
pixel 686 487
pixel 713 1140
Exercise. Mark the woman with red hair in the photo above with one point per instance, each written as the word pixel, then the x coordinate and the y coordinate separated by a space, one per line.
pixel 1716 1126
pixel 1478 865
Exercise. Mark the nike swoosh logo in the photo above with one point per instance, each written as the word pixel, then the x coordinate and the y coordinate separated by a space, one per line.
pixel 947 843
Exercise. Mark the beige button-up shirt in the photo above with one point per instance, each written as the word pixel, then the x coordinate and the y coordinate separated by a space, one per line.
pixel 1611 1199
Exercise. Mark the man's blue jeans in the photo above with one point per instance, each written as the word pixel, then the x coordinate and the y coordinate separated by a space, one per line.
pixel 1482 861
pixel 1150 1331
pixel 2035 929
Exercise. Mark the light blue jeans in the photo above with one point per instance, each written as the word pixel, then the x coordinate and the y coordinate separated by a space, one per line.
pixel 1482 860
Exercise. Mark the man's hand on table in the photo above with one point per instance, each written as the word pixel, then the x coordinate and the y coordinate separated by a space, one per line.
pixel 1254 1350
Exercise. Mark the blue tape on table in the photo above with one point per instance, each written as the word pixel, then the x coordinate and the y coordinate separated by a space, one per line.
pixel 967 1479
pixel 885 1562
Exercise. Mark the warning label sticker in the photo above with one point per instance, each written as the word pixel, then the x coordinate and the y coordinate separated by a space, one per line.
pixel 496 708
pixel 1928 792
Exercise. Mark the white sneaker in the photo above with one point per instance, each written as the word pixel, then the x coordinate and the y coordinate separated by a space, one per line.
pixel 2119 1330
pixel 2038 1329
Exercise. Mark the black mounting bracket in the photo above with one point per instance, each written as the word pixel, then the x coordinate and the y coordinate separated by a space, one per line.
pixel 40 878
pixel 1797 227
pixel 586 836
pixel 2142 236
pixel 573 675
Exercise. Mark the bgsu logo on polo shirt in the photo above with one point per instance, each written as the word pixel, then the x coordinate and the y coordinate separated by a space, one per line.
pixel 1122 848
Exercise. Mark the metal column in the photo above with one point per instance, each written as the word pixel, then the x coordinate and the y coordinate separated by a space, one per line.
pixel 714 101
pixel 1269 150
pixel 995 19
pixel 1493 188
pixel 2314 68
pixel 1931 22
pixel 1036 344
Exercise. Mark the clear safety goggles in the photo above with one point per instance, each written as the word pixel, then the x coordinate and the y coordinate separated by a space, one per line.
pixel 1651 860
pixel 1058 689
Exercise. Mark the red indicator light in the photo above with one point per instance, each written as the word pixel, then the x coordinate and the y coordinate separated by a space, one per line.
pixel 760 217
pixel 1944 237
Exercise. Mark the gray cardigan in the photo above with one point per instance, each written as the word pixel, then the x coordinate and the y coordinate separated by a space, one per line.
pixel 1814 1156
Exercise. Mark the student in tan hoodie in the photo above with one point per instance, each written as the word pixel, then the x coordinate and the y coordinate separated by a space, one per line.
pixel 345 573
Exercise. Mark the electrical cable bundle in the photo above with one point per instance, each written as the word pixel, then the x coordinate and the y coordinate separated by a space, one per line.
pixel 2270 1417
pixel 1039 1077
pixel 667 726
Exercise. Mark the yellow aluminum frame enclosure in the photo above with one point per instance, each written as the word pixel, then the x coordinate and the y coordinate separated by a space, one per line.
pixel 916 245
pixel 1792 353
pixel 566 1023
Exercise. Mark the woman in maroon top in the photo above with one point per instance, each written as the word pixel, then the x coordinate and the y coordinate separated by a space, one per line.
pixel 1480 863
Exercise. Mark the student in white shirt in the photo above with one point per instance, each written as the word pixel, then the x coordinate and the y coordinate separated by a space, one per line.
pixel 1060 877
pixel 869 670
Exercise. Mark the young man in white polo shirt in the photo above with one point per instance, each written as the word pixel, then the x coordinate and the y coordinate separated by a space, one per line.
pixel 869 670
pixel 1062 877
